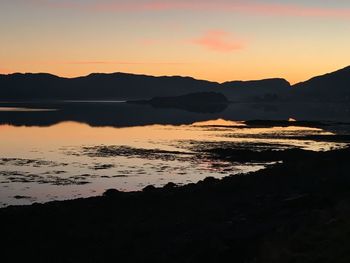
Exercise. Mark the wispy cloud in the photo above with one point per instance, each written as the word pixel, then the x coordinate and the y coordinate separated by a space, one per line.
pixel 245 7
pixel 109 62
pixel 218 40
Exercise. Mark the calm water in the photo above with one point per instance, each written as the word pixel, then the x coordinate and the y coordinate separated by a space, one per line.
pixel 71 159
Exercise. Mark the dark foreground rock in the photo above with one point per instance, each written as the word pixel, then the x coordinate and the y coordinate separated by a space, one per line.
pixel 297 211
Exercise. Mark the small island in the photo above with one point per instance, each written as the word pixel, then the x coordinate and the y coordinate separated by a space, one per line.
pixel 204 102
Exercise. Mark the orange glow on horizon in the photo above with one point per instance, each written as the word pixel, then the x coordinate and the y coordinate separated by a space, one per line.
pixel 218 41
pixel 220 76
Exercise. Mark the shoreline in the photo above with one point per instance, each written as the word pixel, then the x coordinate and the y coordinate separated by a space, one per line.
pixel 260 217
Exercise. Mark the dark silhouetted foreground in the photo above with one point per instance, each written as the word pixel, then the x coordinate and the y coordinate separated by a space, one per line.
pixel 297 211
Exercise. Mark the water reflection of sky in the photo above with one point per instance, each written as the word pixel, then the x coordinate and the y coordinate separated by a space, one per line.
pixel 64 161
pixel 17 109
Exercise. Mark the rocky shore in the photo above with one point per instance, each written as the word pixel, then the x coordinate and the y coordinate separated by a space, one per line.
pixel 295 211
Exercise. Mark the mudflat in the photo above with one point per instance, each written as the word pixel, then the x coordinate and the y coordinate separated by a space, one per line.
pixel 294 211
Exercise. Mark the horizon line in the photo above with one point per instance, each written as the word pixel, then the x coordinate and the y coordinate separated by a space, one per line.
pixel 169 76
pixel 139 74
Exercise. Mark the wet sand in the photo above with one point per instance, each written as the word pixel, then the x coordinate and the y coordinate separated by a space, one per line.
pixel 295 211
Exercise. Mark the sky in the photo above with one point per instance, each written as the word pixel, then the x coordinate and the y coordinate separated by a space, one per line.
pixel 217 40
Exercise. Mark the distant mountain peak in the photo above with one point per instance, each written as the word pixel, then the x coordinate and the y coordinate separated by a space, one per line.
pixel 334 86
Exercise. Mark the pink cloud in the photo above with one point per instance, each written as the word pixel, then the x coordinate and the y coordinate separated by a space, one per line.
pixel 220 41
pixel 245 7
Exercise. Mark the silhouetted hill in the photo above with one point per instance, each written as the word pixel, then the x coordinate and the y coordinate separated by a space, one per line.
pixel 333 87
pixel 96 87
pixel 19 86
pixel 256 90
pixel 120 86
pixel 203 102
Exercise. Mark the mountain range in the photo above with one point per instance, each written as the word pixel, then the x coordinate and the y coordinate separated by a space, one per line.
pixel 333 87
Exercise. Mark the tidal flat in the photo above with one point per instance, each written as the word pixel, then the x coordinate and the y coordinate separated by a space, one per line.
pixel 257 191
pixel 71 160
pixel 294 211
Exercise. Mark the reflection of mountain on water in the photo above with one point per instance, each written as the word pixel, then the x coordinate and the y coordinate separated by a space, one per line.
pixel 124 114
pixel 165 101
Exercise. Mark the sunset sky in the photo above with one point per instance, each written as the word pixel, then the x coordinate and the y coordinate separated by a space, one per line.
pixel 216 40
